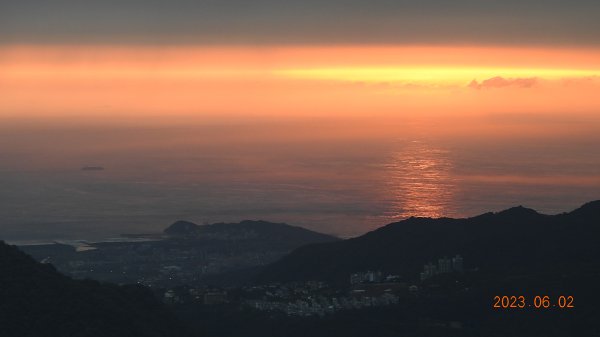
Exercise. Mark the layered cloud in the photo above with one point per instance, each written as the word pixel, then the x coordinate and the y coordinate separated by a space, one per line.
pixel 501 82
pixel 300 22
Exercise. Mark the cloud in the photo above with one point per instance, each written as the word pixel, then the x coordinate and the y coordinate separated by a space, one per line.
pixel 587 80
pixel 520 22
pixel 501 82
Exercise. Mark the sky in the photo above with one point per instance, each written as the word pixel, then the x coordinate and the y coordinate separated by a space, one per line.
pixel 520 22
pixel 112 59
pixel 176 95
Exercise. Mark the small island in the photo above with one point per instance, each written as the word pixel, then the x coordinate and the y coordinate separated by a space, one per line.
pixel 92 168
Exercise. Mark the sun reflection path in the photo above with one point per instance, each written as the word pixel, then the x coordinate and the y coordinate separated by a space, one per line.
pixel 419 182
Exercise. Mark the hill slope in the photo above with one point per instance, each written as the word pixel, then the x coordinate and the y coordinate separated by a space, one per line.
pixel 38 301
pixel 514 241
pixel 264 231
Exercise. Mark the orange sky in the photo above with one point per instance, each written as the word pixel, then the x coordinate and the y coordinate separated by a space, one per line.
pixel 113 82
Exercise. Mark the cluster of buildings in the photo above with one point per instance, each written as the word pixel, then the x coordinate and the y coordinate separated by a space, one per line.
pixel 156 264
pixel 366 277
pixel 321 305
pixel 205 296
pixel 445 265
pixel 372 277
pixel 293 299
pixel 369 289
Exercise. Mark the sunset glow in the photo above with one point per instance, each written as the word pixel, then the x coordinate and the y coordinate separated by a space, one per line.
pixel 290 81
pixel 431 75
pixel 206 83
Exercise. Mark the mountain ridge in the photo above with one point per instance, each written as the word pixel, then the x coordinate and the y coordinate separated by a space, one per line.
pixel 489 241
pixel 245 229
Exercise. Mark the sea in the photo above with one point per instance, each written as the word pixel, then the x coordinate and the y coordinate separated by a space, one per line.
pixel 330 175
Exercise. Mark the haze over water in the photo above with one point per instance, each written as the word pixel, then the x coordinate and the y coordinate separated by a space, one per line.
pixel 331 175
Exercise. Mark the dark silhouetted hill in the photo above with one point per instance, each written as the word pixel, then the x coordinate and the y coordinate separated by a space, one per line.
pixel 35 300
pixel 249 230
pixel 517 241
pixel 182 228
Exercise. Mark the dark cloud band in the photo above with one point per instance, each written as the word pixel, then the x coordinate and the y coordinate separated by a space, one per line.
pixel 308 21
